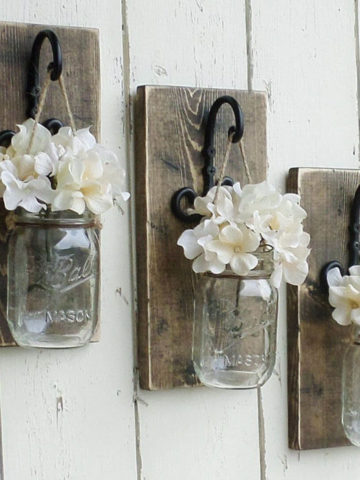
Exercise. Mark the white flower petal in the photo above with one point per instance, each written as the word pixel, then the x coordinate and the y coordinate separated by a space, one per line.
pixel 86 138
pixel 31 195
pixel 242 263
pixel 21 140
pixel 295 273
pixel 334 277
pixel 342 315
pixel 354 270
pixel 188 241
pixel 44 164
pixel 232 235
pixel 223 251
pixel 201 265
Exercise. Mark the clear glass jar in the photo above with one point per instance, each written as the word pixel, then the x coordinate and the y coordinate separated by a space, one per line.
pixel 234 341
pixel 53 279
pixel 351 389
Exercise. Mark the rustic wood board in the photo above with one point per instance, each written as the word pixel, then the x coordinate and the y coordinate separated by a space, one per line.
pixel 81 71
pixel 316 342
pixel 170 123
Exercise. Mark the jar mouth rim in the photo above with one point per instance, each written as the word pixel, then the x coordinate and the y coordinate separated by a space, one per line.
pixel 252 275
pixel 65 218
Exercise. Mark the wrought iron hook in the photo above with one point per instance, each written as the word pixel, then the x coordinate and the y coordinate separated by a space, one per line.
pixel 235 133
pixel 354 242
pixel 209 147
pixel 33 87
pixel 55 67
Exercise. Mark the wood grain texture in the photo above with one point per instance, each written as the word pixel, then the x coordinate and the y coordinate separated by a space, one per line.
pixel 81 73
pixel 169 140
pixel 316 342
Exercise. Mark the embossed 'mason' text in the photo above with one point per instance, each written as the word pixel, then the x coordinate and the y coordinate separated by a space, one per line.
pixel 69 316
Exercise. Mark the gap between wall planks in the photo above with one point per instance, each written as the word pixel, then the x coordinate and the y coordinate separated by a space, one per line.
pixel 316 343
pixel 170 123
pixel 81 71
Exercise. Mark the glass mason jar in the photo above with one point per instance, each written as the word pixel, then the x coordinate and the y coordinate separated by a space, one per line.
pixel 351 388
pixel 234 341
pixel 53 279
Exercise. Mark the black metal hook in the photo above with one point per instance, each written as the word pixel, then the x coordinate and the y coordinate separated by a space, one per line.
pixel 5 137
pixel 55 67
pixel 53 125
pixel 354 242
pixel 235 133
pixel 33 87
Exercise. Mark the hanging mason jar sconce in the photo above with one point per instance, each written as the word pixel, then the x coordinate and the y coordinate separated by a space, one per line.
pixel 246 241
pixel 344 297
pixel 56 181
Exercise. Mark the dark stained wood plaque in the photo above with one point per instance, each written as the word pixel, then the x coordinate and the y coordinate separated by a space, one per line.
pixel 81 71
pixel 170 123
pixel 316 342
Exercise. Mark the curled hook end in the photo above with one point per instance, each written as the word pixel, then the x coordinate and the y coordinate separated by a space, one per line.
pixel 234 134
pixel 178 211
pixel 54 67
pixel 5 138
pixel 324 273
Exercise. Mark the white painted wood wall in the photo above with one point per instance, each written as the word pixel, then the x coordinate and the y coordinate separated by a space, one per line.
pixel 78 414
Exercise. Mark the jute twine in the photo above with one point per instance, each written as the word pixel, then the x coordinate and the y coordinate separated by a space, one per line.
pixel 226 161
pixel 11 220
pixel 42 99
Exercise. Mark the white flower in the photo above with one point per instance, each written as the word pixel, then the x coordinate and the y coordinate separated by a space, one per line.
pixel 260 198
pixel 278 218
pixel 23 175
pixel 245 217
pixel 233 246
pixel 264 209
pixel 290 255
pixel 79 186
pixel 227 203
pixel 20 188
pixel 194 242
pixel 71 144
pixel 32 194
pixel 88 174
pixel 85 174
pixel 344 295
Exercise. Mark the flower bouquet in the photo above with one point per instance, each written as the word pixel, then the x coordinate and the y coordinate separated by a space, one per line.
pixel 66 171
pixel 236 221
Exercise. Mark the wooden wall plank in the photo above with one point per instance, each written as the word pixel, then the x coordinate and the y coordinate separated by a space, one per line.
pixel 316 343
pixel 81 72
pixel 170 140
